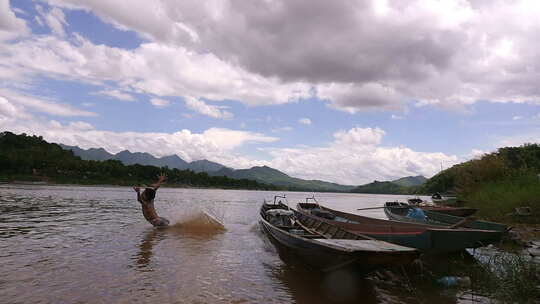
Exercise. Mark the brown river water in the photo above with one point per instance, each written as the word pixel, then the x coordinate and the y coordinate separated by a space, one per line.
pixel 71 244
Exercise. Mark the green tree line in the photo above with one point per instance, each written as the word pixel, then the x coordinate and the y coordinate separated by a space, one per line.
pixel 24 157
pixel 496 183
pixel 505 163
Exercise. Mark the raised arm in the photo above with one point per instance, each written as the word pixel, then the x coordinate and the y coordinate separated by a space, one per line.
pixel 161 180
pixel 138 190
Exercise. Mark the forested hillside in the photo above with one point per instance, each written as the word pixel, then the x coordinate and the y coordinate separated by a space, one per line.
pixel 31 158
pixel 509 162
pixel 495 183
pixel 404 185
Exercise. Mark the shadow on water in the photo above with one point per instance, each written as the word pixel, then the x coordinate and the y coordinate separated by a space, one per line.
pixel 414 284
pixel 308 286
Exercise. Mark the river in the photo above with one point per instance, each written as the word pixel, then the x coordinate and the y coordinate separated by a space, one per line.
pixel 75 244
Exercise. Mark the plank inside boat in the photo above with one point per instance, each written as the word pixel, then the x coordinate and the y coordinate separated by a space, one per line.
pixel 363 245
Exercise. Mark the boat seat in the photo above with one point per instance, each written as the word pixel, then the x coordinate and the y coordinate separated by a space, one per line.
pixel 279 212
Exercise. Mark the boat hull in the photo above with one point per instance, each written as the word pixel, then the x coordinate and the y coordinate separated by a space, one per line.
pixel 326 254
pixel 455 211
pixel 429 240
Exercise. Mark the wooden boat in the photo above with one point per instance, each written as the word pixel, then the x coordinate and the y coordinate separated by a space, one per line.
pixel 447 199
pixel 398 211
pixel 455 211
pixel 328 247
pixel 428 239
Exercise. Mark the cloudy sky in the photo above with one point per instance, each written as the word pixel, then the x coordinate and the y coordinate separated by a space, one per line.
pixel 343 91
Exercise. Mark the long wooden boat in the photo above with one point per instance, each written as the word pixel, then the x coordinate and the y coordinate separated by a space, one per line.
pixel 455 211
pixel 428 239
pixel 448 199
pixel 398 211
pixel 328 247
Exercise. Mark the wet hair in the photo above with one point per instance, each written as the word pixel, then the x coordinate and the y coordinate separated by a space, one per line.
pixel 149 194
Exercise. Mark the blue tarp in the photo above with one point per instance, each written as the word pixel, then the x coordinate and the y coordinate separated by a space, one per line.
pixel 417 213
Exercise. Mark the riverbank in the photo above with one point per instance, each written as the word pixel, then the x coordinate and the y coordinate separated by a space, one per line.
pixel 123 185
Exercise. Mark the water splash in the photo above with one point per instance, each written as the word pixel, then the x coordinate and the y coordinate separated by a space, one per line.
pixel 197 217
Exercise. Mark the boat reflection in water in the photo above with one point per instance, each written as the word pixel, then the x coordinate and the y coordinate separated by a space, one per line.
pixel 411 285
pixel 308 286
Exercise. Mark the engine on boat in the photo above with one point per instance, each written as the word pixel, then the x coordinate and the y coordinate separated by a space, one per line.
pixel 280 217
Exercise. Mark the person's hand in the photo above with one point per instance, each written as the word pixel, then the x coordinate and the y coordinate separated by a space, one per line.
pixel 137 189
pixel 162 178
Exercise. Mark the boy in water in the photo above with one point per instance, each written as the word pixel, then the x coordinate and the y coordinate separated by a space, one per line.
pixel 147 202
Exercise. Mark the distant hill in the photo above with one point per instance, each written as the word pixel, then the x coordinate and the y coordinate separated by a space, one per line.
pixel 278 178
pixel 90 154
pixel 377 187
pixel 404 185
pixel 131 158
pixel 263 174
pixel 410 181
pixel 496 183
pixel 204 165
pixel 506 163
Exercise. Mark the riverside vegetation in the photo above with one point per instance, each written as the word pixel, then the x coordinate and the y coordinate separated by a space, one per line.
pixel 30 158
pixel 496 183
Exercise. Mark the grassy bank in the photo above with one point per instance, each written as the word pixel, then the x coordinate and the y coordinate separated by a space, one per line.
pixel 497 200
pixel 495 183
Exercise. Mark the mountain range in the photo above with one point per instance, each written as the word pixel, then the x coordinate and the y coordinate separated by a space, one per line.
pixel 275 177
pixel 129 158
pixel 262 174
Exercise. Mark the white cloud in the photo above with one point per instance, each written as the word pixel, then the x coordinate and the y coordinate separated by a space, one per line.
pixel 532 136
pixel 159 103
pixel 80 125
pixel 42 105
pixel 476 154
pixel 117 94
pixel 359 136
pixel 305 121
pixel 355 158
pixel 376 55
pixel 153 68
pixel 397 116
pixel 7 109
pixel 201 107
pixel 55 19
pixel 352 98
pixel 230 139
pixel 282 129
pixel 517 117
pixel 213 144
pixel 10 25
